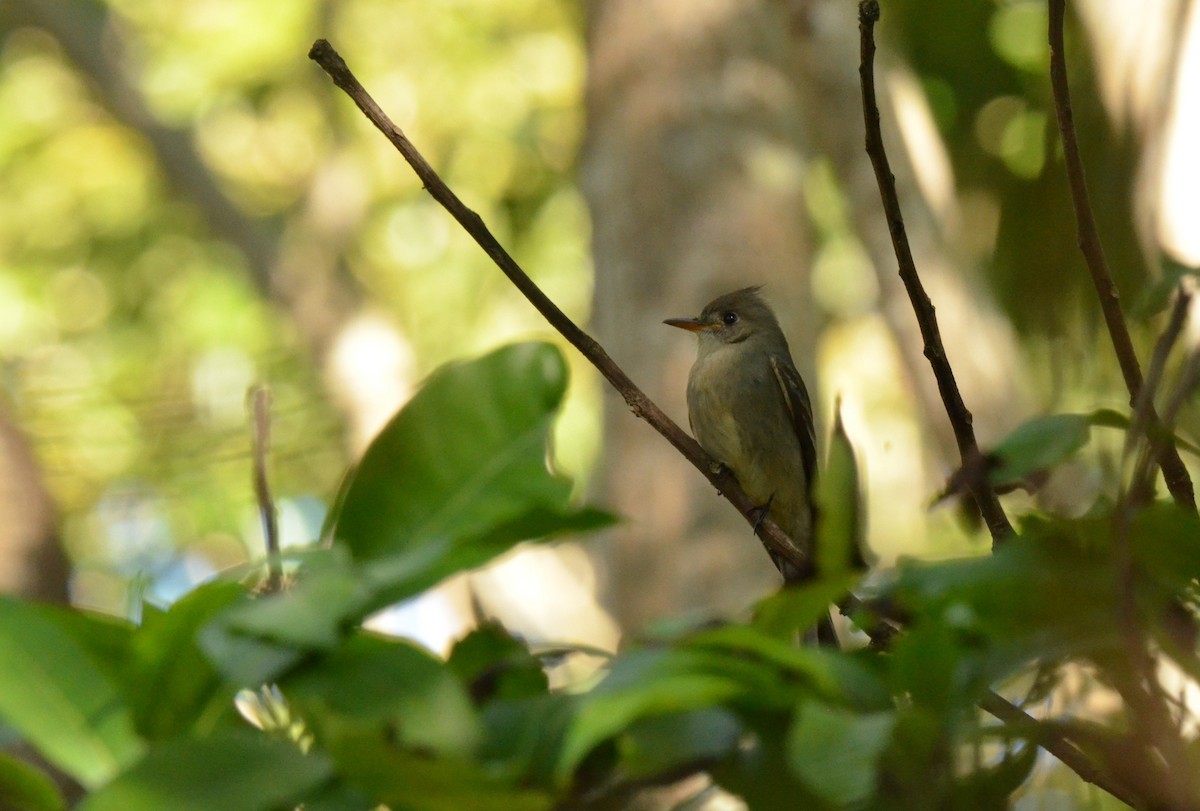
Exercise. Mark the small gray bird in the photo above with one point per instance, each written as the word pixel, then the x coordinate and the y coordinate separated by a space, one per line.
pixel 750 411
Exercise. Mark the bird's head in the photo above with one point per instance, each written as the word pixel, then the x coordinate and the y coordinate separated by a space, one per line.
pixel 730 319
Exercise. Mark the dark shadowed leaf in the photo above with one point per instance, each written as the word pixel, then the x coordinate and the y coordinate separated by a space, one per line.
pixel 377 681
pixel 494 665
pixel 661 743
pixel 24 788
pixel 419 782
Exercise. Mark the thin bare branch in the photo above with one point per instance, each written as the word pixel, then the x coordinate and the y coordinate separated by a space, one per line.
pixel 260 421
pixel 1179 483
pixel 775 540
pixel 956 409
pixel 1055 740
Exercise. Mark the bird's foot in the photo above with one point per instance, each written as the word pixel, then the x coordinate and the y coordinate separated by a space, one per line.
pixel 760 514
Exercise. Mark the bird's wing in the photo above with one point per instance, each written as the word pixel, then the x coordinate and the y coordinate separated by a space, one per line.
pixel 795 397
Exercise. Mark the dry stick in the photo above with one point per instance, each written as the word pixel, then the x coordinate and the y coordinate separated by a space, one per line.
pixel 773 538
pixel 1141 479
pixel 1058 743
pixel 956 409
pixel 260 414
pixel 1174 472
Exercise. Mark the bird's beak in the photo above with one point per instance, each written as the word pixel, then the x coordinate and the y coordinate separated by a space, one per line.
pixel 690 324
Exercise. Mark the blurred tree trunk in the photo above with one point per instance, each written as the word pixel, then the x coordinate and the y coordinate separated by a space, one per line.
pixel 32 562
pixel 692 168
pixel 701 121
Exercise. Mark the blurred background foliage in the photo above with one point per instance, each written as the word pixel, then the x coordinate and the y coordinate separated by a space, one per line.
pixel 158 161
pixel 189 208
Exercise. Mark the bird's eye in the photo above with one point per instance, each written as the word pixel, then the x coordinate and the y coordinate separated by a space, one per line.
pixel 730 318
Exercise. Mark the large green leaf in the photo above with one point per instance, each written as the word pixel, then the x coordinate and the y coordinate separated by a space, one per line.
pixel 464 462
pixel 170 681
pixel 836 752
pixel 59 700
pixel 232 770
pixel 380 682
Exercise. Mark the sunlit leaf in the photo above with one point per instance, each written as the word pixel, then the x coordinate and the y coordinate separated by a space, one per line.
pixel 797 608
pixel 839 506
pixel 59 700
pixel 465 462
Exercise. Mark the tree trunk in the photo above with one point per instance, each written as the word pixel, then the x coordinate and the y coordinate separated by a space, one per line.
pixel 692 168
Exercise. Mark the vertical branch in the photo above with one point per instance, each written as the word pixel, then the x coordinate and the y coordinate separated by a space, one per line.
pixel 260 422
pixel 1174 472
pixel 956 409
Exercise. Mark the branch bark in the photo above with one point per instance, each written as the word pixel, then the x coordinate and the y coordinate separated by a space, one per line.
pixel 769 533
pixel 1179 483
pixel 960 417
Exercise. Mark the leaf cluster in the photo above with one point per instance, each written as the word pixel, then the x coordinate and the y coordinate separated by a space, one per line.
pixel 146 715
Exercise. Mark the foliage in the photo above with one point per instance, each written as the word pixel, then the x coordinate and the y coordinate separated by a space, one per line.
pixel 143 715
pixel 133 316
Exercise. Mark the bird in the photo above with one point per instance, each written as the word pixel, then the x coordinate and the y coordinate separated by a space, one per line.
pixel 749 409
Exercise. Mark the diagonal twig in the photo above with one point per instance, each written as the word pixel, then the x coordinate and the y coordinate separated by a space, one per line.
pixel 956 409
pixel 773 538
pixel 259 402
pixel 1175 474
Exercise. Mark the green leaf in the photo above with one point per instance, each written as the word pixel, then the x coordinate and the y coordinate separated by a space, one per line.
pixel 523 738
pixel 377 681
pixel 655 745
pixel 309 615
pixel 464 462
pixel 1038 445
pixel 798 608
pixel 25 788
pixel 231 770
pixel 1155 296
pixel 494 665
pixel 646 683
pixel 840 677
pixel 839 506
pixel 171 681
pixel 1111 418
pixel 418 782
pixel 835 752
pixel 992 786
pixel 59 700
